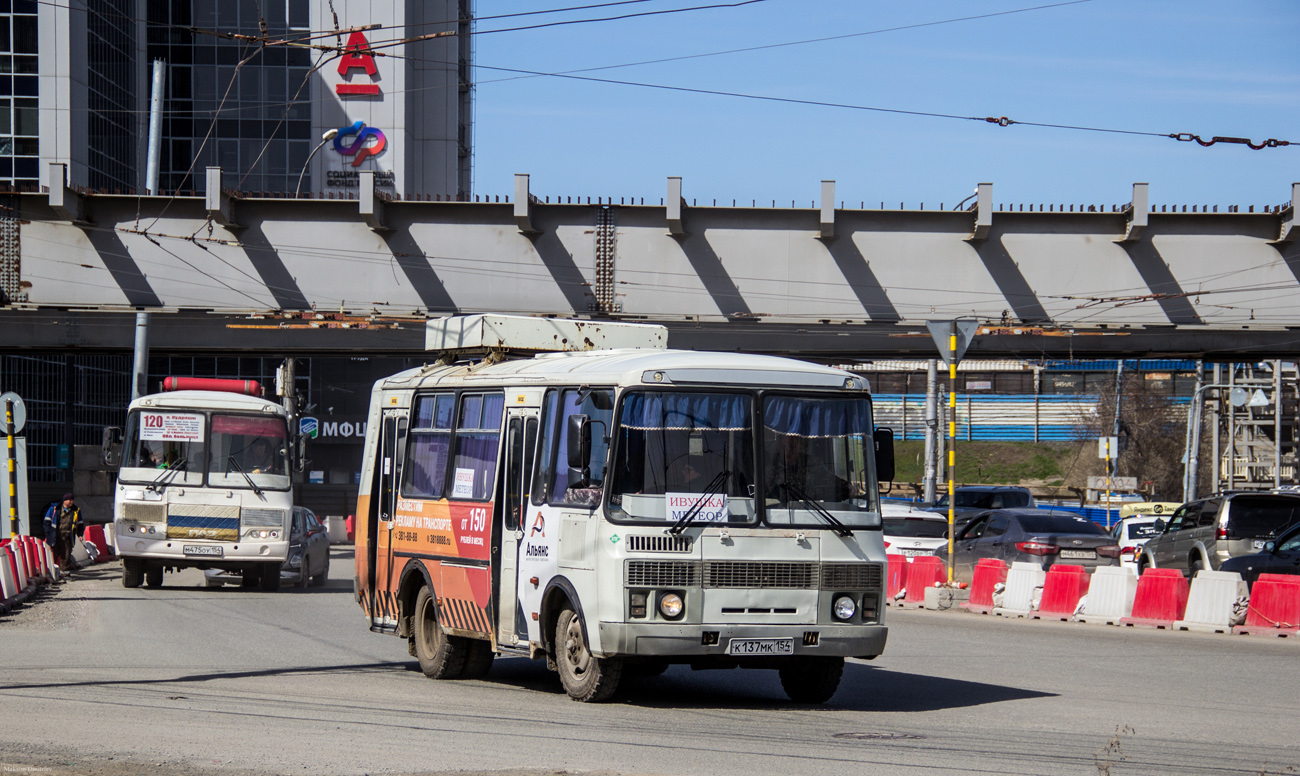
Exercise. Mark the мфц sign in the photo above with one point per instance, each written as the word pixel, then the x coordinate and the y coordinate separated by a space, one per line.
pixel 315 429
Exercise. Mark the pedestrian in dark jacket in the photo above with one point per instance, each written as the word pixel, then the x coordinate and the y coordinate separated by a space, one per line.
pixel 62 526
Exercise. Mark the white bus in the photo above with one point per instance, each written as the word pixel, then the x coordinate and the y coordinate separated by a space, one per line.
pixel 204 483
pixel 616 511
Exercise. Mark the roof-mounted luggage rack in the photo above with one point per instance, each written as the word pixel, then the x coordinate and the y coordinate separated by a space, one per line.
pixel 497 337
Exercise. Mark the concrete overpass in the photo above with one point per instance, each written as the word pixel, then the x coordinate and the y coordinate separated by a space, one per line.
pixel 226 269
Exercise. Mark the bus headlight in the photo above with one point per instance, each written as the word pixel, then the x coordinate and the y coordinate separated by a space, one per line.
pixel 670 605
pixel 844 608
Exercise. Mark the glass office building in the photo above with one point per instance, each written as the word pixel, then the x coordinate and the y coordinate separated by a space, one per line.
pixel 75 82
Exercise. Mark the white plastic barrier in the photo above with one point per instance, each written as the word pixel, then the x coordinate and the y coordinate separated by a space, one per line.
pixel 1110 595
pixel 55 572
pixel 1018 598
pixel 336 528
pixel 8 585
pixel 1210 602
pixel 20 560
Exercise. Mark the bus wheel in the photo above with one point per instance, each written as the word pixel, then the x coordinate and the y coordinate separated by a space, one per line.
pixel 251 577
pixel 441 656
pixel 270 578
pixel 132 572
pixel 585 677
pixel 478 658
pixel 812 679
pixel 153 576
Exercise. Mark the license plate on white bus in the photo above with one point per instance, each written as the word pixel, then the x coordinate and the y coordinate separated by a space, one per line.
pixel 206 550
pixel 1079 554
pixel 915 553
pixel 760 647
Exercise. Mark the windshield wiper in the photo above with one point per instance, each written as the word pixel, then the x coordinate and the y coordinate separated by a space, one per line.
pixel 230 461
pixel 709 492
pixel 817 509
pixel 170 468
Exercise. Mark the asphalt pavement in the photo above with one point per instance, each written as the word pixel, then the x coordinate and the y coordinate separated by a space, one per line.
pixel 98 680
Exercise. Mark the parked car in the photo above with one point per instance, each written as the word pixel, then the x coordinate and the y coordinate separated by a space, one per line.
pixel 1031 535
pixel 1131 533
pixel 910 531
pixel 1203 534
pixel 309 554
pixel 1278 557
pixel 973 499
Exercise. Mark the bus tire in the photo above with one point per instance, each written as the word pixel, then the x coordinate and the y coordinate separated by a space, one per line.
pixel 153 576
pixel 441 656
pixel 251 577
pixel 478 659
pixel 586 678
pixel 270 578
pixel 132 572
pixel 812 679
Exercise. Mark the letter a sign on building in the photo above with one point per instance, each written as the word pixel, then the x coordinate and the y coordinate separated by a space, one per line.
pixel 357 56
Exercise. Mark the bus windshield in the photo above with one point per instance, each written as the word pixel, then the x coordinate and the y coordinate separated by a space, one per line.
pixel 815 456
pixel 165 447
pixel 684 451
pixel 248 451
pixel 677 452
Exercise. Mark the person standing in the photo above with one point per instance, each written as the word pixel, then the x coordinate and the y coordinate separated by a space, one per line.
pixel 62 525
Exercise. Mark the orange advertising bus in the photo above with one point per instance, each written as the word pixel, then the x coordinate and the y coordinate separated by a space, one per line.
pixel 621 507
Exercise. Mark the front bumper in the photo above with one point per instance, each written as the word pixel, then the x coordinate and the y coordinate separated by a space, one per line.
pixel 172 551
pixel 687 641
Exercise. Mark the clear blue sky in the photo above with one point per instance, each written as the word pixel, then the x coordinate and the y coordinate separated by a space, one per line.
pixel 1209 68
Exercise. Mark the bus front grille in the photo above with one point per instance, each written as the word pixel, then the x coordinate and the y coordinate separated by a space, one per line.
pixel 257 517
pixel 138 512
pixel 658 543
pixel 760 574
pixel 851 576
pixel 662 573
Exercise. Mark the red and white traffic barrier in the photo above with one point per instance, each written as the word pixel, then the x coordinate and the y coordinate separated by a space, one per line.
pixel 1111 592
pixel 1211 601
pixel 1274 606
pixel 897 582
pixel 9 589
pixel 925 571
pixel 1018 598
pixel 1062 589
pixel 989 573
pixel 1161 599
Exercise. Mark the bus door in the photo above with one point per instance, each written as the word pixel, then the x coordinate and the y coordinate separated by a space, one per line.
pixel 509 523
pixel 384 611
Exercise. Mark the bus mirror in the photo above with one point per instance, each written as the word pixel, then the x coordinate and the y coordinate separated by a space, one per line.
pixel 579 441
pixel 111 447
pixel 884 439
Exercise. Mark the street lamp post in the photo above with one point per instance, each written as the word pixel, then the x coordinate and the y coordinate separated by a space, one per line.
pixel 329 135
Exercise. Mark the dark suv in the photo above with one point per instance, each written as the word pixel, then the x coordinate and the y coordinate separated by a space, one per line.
pixel 973 499
pixel 1203 534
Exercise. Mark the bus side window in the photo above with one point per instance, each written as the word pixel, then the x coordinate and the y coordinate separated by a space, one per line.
pixel 429 439
pixel 530 450
pixel 514 477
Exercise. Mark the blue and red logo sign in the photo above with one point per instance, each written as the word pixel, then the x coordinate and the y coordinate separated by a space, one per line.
pixel 358 148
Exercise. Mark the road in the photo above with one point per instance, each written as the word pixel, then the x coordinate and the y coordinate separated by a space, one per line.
pixel 98 680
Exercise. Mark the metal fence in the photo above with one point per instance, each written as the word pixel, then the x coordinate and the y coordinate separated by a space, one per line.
pixel 69 400
pixel 986 418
